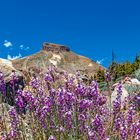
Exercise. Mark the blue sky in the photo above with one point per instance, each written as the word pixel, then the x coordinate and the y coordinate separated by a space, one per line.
pixel 89 27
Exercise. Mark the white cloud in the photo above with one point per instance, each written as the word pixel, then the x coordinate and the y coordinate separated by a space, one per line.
pixel 24 48
pixel 7 43
pixel 100 61
pixel 27 48
pixel 9 57
pixel 21 46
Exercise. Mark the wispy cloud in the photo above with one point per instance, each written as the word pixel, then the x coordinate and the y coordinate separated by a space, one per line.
pixel 7 43
pixel 27 48
pixel 22 47
pixel 100 62
pixel 9 57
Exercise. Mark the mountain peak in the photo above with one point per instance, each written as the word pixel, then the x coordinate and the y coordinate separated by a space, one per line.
pixel 56 48
pixel 58 55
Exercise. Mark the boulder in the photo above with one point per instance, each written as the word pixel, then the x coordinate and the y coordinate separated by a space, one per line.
pixel 135 81
pixel 7 68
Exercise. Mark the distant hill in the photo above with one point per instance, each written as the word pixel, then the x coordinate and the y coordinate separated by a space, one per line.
pixel 59 55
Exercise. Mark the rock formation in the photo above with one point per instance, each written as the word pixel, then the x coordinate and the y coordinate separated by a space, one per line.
pixel 55 47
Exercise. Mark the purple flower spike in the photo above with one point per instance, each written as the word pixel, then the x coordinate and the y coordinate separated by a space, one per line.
pixel 48 78
pixel 107 76
pixel 12 134
pixel 119 88
pixel 116 106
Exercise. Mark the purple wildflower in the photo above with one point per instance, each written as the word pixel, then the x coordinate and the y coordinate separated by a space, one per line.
pixel 116 106
pixel 107 76
pixel 12 134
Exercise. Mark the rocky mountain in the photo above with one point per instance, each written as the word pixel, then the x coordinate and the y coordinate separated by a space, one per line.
pixel 58 55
